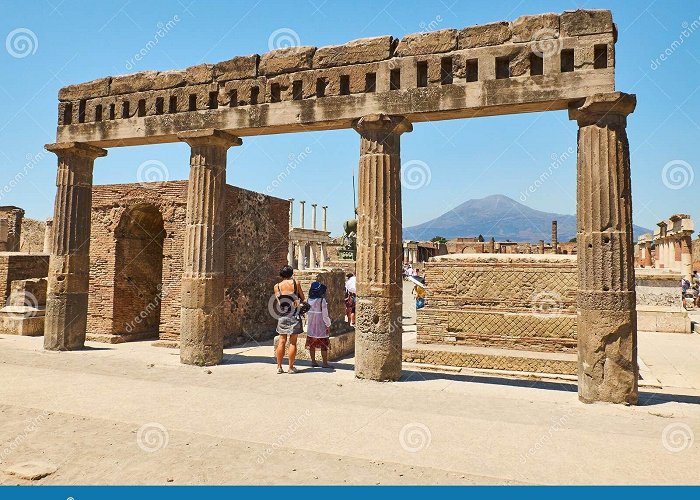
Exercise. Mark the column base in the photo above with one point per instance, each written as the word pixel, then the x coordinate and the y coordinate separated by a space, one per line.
pixel 201 336
pixel 607 351
pixel 378 332
pixel 66 322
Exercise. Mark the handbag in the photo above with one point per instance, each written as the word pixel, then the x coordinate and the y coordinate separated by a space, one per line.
pixel 304 306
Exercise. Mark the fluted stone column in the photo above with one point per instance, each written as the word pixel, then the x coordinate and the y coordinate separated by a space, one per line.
pixel 313 215
pixel 607 320
pixel 379 284
pixel 325 217
pixel 541 247
pixel 686 243
pixel 312 255
pixel 323 256
pixel 291 213
pixel 301 214
pixel 48 236
pixel 301 254
pixel 290 254
pixel 201 316
pixel 555 238
pixel 69 264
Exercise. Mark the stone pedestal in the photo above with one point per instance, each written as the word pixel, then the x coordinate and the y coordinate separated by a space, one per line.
pixel 69 265
pixel 607 321
pixel 202 325
pixel 379 248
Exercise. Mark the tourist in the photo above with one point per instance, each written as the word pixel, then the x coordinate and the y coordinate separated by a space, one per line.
pixel 350 297
pixel 419 294
pixel 318 323
pixel 685 292
pixel 289 297
pixel 695 287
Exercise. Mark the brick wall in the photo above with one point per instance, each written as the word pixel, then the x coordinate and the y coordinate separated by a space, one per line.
pixel 508 301
pixel 16 266
pixel 256 248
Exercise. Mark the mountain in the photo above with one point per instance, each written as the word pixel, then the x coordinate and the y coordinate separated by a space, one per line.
pixel 501 217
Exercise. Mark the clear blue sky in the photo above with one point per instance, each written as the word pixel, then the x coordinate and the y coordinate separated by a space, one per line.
pixel 78 41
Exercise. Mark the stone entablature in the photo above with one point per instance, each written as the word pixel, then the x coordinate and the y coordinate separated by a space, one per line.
pixel 477 71
pixel 508 301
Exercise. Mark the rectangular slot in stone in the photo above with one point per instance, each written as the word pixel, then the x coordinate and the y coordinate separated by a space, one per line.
pixel 567 60
pixel 446 70
pixel 472 70
pixel 395 79
pixel 536 64
pixel 422 74
pixel 503 67
pixel 371 82
pixel 600 56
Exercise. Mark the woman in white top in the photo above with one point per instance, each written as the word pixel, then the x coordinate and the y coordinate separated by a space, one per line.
pixel 318 323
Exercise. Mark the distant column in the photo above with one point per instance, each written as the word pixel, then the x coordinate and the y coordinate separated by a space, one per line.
pixel 290 254
pixel 313 215
pixel 312 255
pixel 291 213
pixel 379 283
pixel 607 318
pixel 686 243
pixel 301 253
pixel 542 247
pixel 202 288
pixel 555 238
pixel 325 218
pixel 69 264
pixel 323 254
pixel 301 214
pixel 48 235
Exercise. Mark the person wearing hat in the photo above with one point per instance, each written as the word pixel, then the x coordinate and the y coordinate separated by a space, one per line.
pixel 318 323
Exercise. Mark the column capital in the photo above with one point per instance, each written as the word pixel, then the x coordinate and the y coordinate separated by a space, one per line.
pixel 385 124
pixel 605 109
pixel 209 137
pixel 76 149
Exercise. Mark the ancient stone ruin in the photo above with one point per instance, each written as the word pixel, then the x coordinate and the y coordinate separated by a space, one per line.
pixel 379 87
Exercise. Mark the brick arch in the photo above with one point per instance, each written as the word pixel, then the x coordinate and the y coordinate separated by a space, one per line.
pixel 138 273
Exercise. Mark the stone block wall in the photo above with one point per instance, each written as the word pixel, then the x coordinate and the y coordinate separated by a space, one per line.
pixel 507 301
pixel 32 236
pixel 256 248
pixel 18 266
pixel 12 228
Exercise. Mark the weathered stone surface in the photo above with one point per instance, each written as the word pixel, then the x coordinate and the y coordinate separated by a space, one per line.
pixel 586 22
pixel 520 62
pixel 484 35
pixel 31 471
pixel 364 50
pixel 135 82
pixel 94 88
pixel 286 60
pixel 430 42
pixel 237 68
pixel 540 27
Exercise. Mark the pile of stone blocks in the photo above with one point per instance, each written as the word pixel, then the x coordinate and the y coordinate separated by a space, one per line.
pixel 659 304
pixel 23 293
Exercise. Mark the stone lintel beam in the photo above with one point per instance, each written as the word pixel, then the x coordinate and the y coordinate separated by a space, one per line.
pixel 69 264
pixel 379 248
pixel 607 321
pixel 202 324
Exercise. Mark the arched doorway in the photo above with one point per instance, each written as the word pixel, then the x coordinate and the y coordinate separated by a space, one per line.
pixel 138 272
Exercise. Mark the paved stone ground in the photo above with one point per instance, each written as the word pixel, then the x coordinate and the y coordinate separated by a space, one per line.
pixel 131 414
